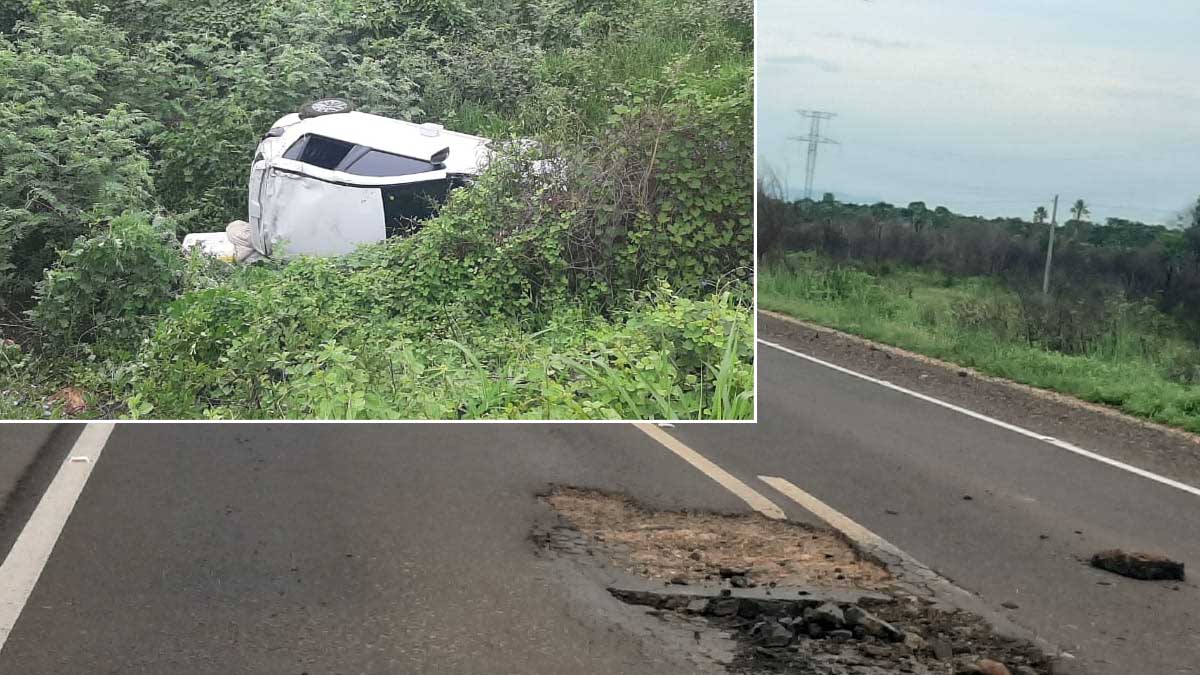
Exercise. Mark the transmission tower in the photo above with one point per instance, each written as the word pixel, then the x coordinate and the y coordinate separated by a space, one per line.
pixel 814 139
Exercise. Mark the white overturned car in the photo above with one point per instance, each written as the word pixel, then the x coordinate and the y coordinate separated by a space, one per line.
pixel 328 179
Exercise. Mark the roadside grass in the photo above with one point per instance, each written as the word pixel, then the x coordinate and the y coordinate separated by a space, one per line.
pixel 663 357
pixel 663 35
pixel 1134 365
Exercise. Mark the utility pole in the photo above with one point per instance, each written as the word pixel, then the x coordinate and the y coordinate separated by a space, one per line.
pixel 1050 249
pixel 814 140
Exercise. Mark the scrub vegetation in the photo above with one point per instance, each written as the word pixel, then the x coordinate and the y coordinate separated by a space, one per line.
pixel 1120 327
pixel 616 285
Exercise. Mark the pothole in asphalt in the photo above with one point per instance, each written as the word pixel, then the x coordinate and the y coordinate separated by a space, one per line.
pixel 686 547
pixel 796 599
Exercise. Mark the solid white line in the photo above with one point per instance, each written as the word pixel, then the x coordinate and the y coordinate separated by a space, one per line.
pixel 753 497
pixel 25 562
pixel 1000 423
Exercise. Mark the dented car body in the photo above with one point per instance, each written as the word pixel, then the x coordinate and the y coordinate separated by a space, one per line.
pixel 326 183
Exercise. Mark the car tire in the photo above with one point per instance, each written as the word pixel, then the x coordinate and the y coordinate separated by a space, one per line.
pixel 326 106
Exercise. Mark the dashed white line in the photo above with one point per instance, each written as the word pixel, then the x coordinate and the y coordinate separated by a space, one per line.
pixel 27 558
pixel 753 497
pixel 1000 423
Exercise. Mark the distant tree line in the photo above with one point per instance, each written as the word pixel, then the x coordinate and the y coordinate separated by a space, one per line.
pixel 1144 261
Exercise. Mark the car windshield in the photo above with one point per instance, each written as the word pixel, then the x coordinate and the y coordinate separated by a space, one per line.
pixel 329 153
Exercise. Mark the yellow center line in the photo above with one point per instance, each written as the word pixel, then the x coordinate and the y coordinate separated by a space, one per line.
pixel 753 497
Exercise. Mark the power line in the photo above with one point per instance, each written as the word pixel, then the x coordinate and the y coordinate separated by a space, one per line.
pixel 814 140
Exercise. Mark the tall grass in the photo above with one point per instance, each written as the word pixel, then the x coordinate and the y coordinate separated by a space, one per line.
pixel 1137 362
pixel 666 34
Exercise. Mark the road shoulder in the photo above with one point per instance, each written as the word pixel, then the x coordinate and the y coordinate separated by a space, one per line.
pixel 20 445
pixel 29 456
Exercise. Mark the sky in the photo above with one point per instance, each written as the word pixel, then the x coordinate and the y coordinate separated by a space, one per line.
pixel 988 107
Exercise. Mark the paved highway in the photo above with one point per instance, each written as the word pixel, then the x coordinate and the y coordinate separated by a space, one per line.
pixel 363 549
pixel 339 549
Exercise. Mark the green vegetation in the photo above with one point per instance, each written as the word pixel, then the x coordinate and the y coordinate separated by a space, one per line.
pixel 1120 326
pixel 614 287
pixel 1117 352
pixel 1118 258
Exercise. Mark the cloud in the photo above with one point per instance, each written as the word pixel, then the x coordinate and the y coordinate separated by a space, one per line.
pixel 1139 93
pixel 869 41
pixel 802 60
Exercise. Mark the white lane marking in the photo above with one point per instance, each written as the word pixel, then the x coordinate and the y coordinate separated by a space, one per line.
pixel 25 562
pixel 1000 423
pixel 753 497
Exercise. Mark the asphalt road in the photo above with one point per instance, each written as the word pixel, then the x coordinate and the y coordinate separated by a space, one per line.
pixel 1036 511
pixel 323 549
pixel 379 549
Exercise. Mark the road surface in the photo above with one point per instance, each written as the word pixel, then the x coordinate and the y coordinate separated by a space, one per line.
pixel 364 549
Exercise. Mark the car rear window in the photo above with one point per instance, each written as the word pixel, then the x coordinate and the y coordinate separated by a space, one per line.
pixel 380 163
pixel 329 153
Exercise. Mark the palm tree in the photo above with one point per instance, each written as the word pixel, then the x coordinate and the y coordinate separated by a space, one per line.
pixel 1080 210
pixel 1039 215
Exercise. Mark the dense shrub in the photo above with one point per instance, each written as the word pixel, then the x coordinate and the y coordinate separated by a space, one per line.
pixel 242 354
pixel 73 155
pixel 109 286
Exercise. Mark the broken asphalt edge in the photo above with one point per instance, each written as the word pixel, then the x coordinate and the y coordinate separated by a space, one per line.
pixel 589 580
pixel 910 577
pixel 916 578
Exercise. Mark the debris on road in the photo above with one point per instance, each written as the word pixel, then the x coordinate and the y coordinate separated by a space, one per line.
pixel 990 667
pixel 817 608
pixel 839 632
pixel 1144 566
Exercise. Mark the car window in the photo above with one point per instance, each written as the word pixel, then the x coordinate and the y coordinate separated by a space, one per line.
pixel 326 153
pixel 329 153
pixel 406 206
pixel 379 163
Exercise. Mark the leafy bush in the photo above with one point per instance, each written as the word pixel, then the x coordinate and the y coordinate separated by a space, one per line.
pixel 660 192
pixel 240 354
pixel 111 285
pixel 73 156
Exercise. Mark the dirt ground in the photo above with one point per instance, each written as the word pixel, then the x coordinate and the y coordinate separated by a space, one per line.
pixel 691 546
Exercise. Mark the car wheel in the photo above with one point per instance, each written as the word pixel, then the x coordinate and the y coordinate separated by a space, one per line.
pixel 326 106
